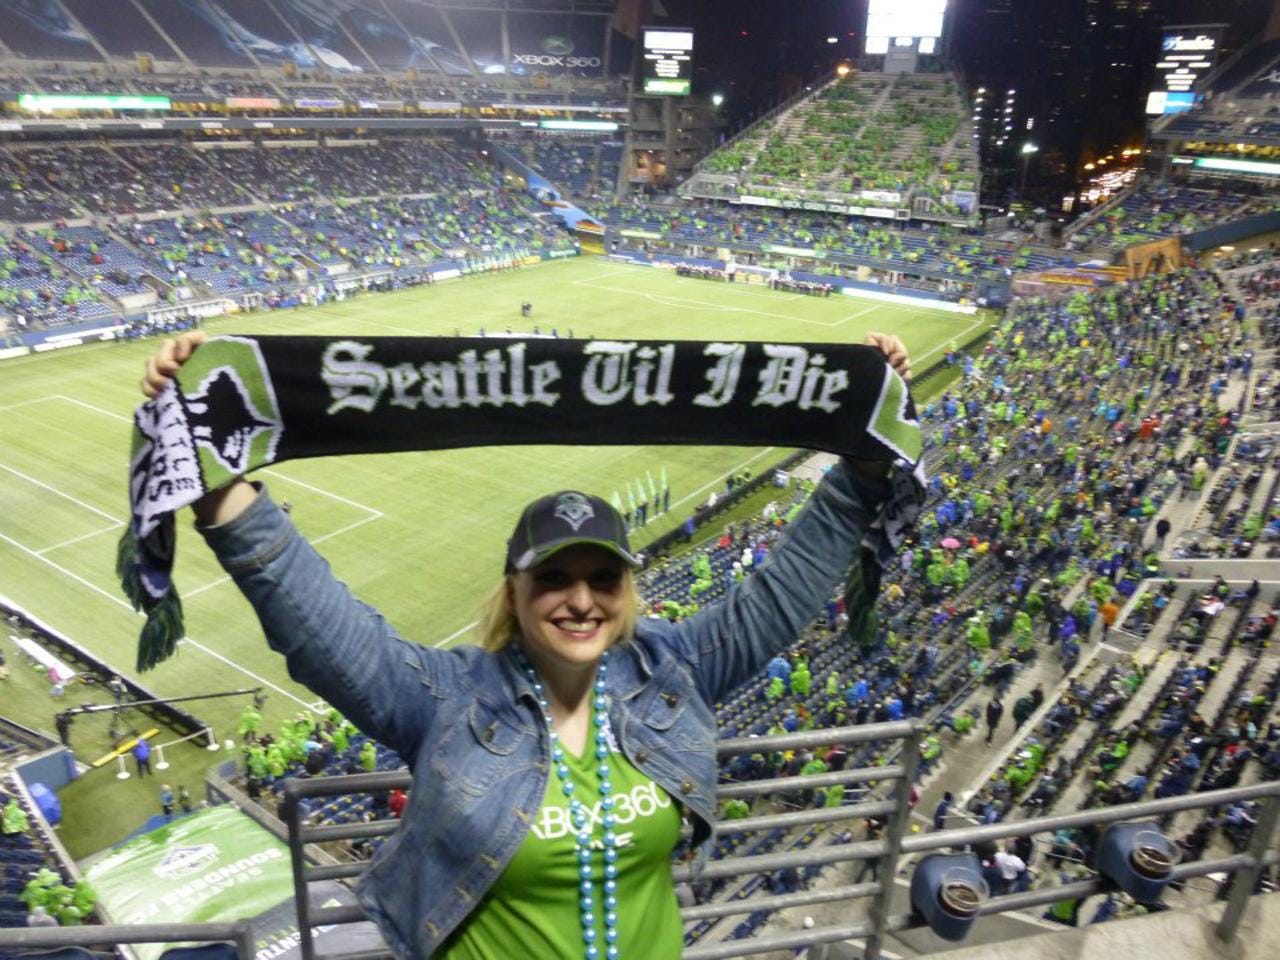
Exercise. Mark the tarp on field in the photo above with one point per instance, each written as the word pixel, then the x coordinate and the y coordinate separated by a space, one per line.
pixel 216 865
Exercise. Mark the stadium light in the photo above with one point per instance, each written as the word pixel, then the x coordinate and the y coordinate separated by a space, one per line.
pixel 833 39
pixel 717 99
pixel 1028 149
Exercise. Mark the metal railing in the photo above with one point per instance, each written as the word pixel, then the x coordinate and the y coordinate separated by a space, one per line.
pixel 887 802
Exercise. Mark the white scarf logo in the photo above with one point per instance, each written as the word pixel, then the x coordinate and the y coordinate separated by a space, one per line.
pixel 574 509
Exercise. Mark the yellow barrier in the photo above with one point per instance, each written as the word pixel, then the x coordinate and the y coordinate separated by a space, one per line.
pixel 124 748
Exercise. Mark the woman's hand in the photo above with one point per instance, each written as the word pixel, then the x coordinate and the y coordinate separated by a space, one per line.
pixel 895 352
pixel 226 503
pixel 164 364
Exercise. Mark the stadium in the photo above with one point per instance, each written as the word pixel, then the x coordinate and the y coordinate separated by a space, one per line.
pixel 1055 728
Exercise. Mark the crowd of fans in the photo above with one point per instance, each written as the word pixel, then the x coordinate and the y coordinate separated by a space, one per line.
pixel 1156 209
pixel 1050 463
pixel 832 238
pixel 421 201
pixel 895 136
pixel 193 93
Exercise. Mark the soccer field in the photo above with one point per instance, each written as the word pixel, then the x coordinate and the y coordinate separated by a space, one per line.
pixel 421 536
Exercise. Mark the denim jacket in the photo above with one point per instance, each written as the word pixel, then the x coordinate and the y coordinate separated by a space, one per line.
pixel 468 725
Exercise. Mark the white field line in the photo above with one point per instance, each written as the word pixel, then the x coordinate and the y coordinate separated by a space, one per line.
pixel 712 483
pixel 457 633
pixel 374 513
pixel 369 320
pixel 66 496
pixel 687 304
pixel 121 602
pixel 917 361
pixel 24 403
pixel 249 673
pixel 275 473
pixel 89 406
pixel 690 304
pixel 73 540
pixel 854 316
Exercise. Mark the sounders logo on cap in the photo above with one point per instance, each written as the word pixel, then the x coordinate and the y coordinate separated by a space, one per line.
pixel 574 509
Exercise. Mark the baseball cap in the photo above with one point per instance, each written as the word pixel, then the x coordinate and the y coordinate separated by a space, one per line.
pixel 564 519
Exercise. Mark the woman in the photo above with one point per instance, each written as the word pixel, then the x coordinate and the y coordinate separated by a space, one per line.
pixel 551 761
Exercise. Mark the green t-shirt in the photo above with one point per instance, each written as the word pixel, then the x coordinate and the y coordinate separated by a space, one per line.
pixel 532 911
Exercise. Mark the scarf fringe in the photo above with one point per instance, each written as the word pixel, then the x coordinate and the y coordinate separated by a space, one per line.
pixel 164 627
pixel 127 568
pixel 163 630
pixel 860 596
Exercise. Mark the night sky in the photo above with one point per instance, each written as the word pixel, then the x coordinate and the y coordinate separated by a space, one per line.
pixel 1083 67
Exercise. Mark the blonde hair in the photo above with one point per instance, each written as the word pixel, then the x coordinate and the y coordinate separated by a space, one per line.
pixel 497 626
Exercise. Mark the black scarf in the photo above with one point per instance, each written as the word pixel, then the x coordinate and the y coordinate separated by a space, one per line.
pixel 241 403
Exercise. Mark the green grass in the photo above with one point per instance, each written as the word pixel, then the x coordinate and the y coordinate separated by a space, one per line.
pixel 421 536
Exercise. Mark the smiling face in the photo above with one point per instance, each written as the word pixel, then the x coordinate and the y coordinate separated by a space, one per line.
pixel 571 607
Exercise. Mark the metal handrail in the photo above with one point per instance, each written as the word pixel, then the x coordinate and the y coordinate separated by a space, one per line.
pixel 886 851
pixel 897 841
pixel 28 938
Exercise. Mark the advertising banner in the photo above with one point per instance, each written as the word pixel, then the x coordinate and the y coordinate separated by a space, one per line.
pixel 215 865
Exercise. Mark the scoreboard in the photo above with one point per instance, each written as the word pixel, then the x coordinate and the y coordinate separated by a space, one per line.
pixel 904 23
pixel 668 61
pixel 1186 55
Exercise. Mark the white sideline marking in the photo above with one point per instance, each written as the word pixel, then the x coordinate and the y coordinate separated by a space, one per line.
pixel 377 323
pixel 120 602
pixel 83 536
pixel 24 403
pixel 89 406
pixel 961 336
pixel 711 483
pixel 455 634
pixel 61 569
pixel 65 496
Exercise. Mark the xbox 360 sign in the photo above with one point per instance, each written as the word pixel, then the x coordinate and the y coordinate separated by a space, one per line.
pixel 556 54
pixel 555 60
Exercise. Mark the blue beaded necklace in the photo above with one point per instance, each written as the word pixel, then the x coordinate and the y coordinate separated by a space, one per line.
pixel 578 816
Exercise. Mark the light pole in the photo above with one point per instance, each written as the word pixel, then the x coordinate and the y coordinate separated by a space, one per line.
pixel 1028 149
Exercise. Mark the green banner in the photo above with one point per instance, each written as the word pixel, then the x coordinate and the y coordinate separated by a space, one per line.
pixel 216 865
